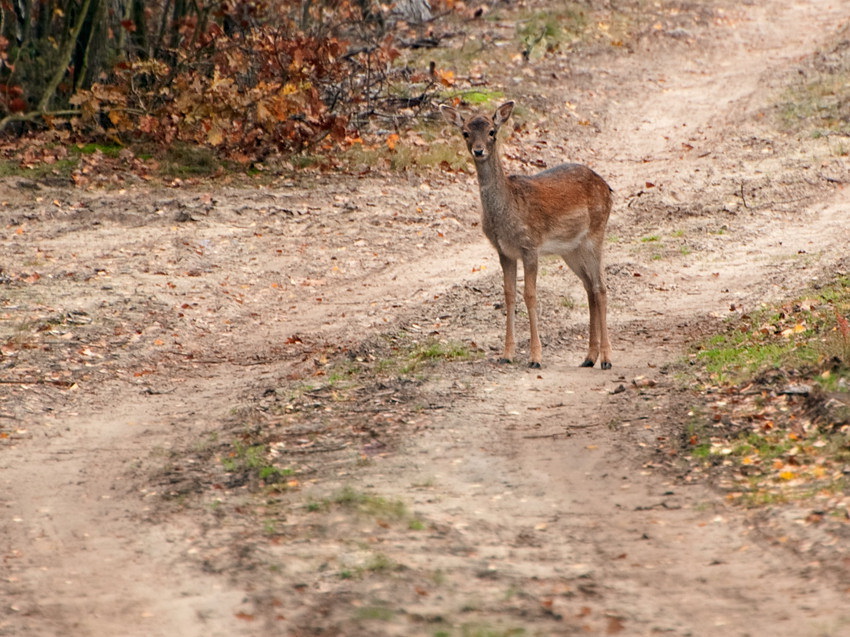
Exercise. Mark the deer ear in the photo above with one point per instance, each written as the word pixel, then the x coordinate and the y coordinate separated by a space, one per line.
pixel 503 113
pixel 451 115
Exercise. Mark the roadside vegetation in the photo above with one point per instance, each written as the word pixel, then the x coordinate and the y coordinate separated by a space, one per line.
pixel 771 420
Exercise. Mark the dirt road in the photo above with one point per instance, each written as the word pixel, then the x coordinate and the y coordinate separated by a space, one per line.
pixel 143 327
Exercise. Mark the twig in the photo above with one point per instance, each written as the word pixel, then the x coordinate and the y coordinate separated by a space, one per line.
pixel 35 381
pixel 221 361
pixel 306 450
pixel 158 392
pixel 552 435
pixel 589 425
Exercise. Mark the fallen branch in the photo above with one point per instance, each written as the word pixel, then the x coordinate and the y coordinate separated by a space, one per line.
pixel 744 197
pixel 33 116
pixel 554 435
pixel 831 180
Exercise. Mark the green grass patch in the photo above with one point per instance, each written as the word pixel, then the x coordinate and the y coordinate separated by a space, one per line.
pixel 438 350
pixel 381 563
pixel 61 168
pixel 374 564
pixel 659 247
pixel 253 462
pixel 110 150
pixel 379 613
pixel 701 450
pixel 434 351
pixel 479 97
pixel 733 357
pixel 568 303
pixel 369 505
pixel 391 357
pixel 402 355
pixel 459 59
pixel 351 498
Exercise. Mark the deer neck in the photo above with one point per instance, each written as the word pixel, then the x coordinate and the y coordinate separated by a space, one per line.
pixel 495 194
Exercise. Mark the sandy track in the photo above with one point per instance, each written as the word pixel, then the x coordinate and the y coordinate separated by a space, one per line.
pixel 536 481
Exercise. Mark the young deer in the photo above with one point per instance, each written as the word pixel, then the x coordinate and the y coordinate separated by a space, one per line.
pixel 562 210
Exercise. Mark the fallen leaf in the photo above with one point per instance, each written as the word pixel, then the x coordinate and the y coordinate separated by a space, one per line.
pixel 446 78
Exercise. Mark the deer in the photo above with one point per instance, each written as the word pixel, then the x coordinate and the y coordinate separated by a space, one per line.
pixel 562 211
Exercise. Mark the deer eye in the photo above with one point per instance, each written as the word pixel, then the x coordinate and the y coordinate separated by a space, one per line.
pixel 466 134
pixel 493 133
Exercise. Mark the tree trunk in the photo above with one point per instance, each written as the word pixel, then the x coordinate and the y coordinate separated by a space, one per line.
pixel 65 58
pixel 140 35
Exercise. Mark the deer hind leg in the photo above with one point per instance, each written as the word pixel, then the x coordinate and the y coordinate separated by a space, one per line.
pixel 529 268
pixel 588 268
pixel 601 294
pixel 509 274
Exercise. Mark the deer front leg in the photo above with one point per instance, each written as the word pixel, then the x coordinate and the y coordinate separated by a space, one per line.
pixel 529 266
pixel 509 274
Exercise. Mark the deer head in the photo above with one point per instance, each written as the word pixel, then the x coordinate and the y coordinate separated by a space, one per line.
pixel 479 131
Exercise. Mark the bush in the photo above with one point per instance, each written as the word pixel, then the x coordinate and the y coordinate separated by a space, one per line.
pixel 246 77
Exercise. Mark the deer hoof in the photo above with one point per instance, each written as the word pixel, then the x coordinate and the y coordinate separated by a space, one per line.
pixel 504 361
pixel 606 365
pixel 587 363
pixel 534 365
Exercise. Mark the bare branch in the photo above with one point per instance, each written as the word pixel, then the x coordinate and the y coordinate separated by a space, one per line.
pixel 34 116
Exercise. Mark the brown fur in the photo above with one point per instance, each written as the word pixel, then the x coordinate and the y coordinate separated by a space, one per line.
pixel 563 210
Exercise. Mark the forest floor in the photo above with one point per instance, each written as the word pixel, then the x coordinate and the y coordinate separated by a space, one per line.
pixel 275 409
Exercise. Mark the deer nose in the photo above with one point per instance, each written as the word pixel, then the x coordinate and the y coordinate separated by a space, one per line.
pixel 478 152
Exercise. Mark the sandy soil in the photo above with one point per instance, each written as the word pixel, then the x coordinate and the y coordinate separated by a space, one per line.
pixel 147 329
